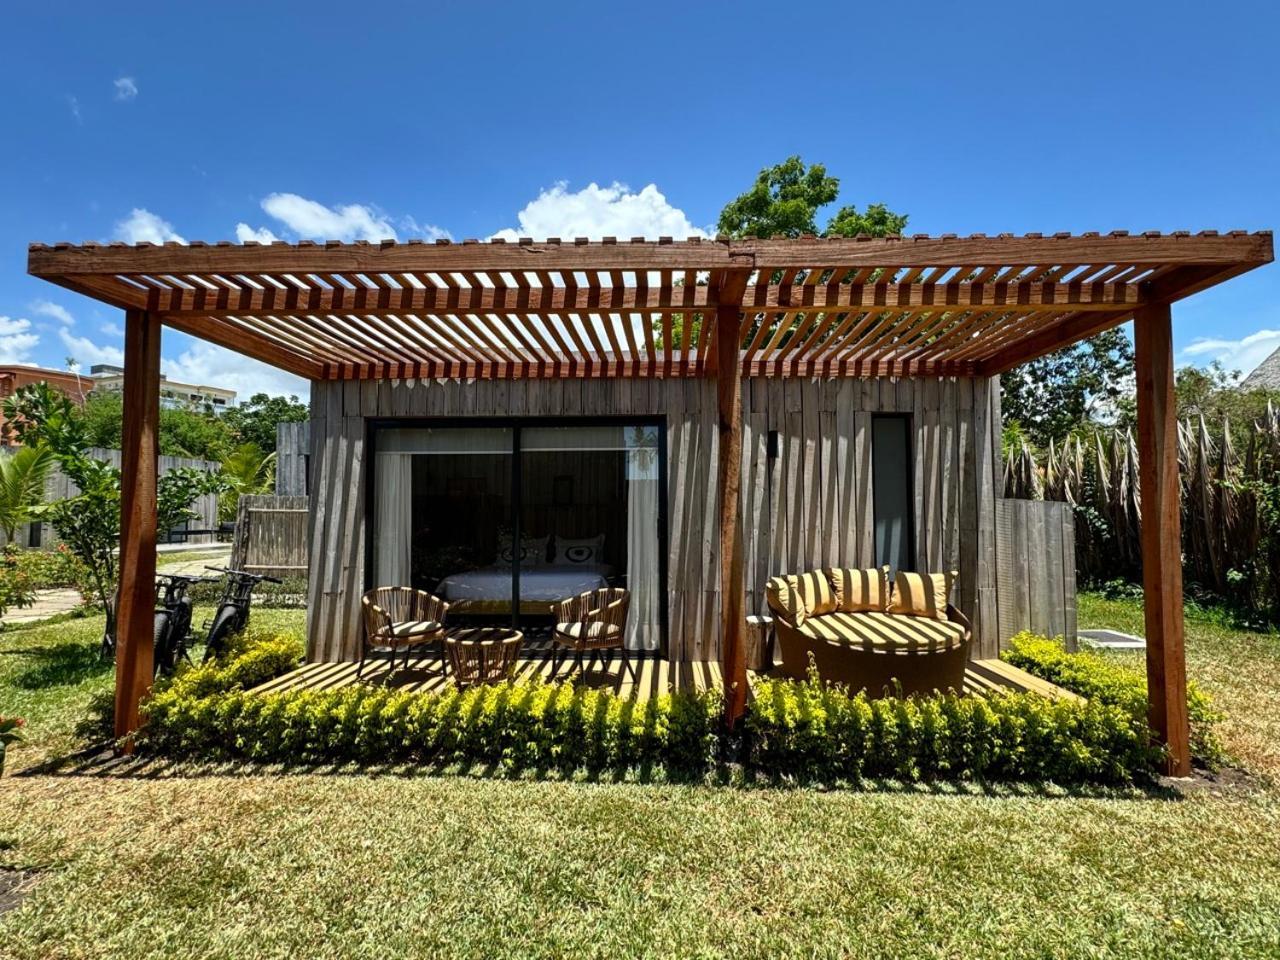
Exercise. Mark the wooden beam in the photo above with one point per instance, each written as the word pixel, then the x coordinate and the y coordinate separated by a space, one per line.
pixel 371 258
pixel 380 301
pixel 733 650
pixel 262 348
pixel 1083 249
pixel 933 297
pixel 137 593
pixel 1060 335
pixel 1161 535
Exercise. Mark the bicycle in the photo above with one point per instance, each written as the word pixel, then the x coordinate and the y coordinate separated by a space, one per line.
pixel 232 615
pixel 171 633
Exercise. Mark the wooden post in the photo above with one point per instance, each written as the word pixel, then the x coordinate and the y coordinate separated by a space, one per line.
pixel 733 652
pixel 1161 535
pixel 137 597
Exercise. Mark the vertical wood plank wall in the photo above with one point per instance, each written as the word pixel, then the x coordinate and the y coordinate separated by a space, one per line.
pixel 1037 574
pixel 810 506
pixel 293 445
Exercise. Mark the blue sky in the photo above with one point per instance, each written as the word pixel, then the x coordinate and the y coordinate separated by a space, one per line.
pixel 153 121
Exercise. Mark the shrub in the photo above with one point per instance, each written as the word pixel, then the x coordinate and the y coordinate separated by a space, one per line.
pixel 1101 678
pixel 291 594
pixel 47 569
pixel 16 586
pixel 207 712
pixel 815 732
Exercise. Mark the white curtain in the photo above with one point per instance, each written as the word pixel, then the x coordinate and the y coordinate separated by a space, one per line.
pixel 643 625
pixel 394 519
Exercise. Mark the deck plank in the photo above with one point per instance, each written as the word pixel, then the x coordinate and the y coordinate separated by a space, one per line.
pixel 653 677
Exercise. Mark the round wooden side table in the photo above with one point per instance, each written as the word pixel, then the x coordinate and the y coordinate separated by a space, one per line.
pixel 483 654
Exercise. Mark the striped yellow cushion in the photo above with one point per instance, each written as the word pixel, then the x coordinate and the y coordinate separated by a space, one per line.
pixel 922 594
pixel 783 600
pixel 886 632
pixel 816 592
pixel 801 596
pixel 859 590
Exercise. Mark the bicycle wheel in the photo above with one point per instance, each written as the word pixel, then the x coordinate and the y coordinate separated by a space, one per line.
pixel 161 645
pixel 224 625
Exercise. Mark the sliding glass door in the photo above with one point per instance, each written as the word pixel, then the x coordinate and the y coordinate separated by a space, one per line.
pixel 442 512
pixel 506 521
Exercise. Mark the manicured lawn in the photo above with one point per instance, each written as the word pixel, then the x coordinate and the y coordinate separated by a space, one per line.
pixel 176 861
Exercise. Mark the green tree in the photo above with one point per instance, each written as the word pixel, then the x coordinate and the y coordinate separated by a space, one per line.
pixel 22 477
pixel 877 221
pixel 784 201
pixel 1056 394
pixel 247 470
pixel 254 421
pixel 89 522
pixel 184 432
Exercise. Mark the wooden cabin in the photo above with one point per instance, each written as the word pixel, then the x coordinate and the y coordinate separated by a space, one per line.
pixel 689 417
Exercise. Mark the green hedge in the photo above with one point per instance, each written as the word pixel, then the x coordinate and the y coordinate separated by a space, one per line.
pixel 801 730
pixel 290 594
pixel 207 712
pixel 1103 678
pixel 811 731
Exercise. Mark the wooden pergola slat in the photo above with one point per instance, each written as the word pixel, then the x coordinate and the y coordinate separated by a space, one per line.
pixel 822 303
pixel 832 307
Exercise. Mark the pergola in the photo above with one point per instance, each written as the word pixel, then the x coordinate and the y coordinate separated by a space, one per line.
pixel 810 307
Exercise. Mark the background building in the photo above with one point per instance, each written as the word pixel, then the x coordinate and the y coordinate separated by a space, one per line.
pixel 15 376
pixel 173 393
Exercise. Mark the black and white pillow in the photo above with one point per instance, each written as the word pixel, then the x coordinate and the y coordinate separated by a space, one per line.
pixel 579 551
pixel 533 550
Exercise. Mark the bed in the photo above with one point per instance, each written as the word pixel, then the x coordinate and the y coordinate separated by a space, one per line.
pixel 488 590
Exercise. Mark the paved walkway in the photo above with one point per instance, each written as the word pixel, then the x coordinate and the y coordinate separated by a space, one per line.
pixel 50 603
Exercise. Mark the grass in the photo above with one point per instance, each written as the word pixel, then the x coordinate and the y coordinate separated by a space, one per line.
pixel 178 861
pixel 1239 668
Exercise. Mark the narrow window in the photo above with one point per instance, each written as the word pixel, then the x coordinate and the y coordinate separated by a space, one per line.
pixel 892 490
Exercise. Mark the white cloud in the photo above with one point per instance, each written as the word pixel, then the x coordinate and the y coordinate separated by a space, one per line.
pixel 424 231
pixel 596 212
pixel 74 103
pixel 47 308
pixel 143 226
pixel 126 88
pixel 209 365
pixel 112 329
pixel 86 352
pixel 1243 354
pixel 16 340
pixel 315 221
pixel 246 234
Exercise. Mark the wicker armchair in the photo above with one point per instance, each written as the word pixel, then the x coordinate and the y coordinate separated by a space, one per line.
pixel 402 618
pixel 595 622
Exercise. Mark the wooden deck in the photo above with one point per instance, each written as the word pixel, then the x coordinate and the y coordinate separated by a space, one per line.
pixel 653 677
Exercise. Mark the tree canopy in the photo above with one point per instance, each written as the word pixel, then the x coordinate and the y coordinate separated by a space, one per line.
pixel 785 199
pixel 1054 395
pixel 254 421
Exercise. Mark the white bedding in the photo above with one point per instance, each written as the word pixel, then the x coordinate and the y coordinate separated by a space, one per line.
pixel 554 582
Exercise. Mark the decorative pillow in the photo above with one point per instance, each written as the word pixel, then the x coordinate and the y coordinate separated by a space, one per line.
pixel 922 594
pixel 860 590
pixel 581 550
pixel 533 550
pixel 816 592
pixel 783 600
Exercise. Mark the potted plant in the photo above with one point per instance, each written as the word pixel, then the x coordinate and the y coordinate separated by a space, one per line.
pixel 10 732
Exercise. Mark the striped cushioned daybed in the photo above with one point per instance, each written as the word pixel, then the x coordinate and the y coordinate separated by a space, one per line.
pixel 870 649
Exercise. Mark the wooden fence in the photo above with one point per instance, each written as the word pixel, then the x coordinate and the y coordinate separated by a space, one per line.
pixel 58 487
pixel 293 455
pixel 271 535
pixel 1036 569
